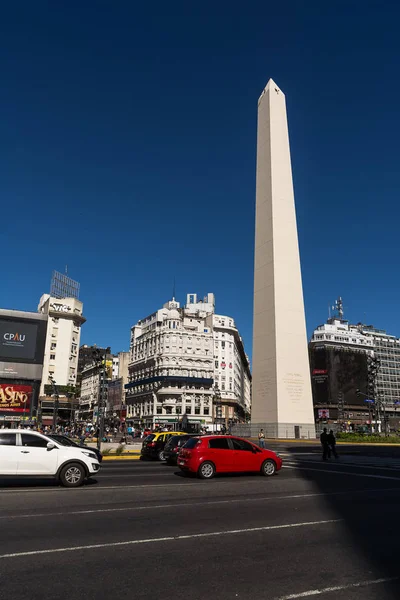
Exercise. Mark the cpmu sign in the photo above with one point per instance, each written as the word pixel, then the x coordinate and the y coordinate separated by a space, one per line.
pixel 15 398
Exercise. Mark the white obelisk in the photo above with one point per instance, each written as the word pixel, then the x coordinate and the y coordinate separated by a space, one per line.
pixel 281 398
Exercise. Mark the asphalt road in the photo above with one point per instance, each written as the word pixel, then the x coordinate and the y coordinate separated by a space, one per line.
pixel 142 530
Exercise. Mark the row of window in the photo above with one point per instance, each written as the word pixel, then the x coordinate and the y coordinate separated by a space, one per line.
pixel 32 441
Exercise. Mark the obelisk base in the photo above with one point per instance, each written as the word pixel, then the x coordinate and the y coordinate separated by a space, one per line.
pixel 301 431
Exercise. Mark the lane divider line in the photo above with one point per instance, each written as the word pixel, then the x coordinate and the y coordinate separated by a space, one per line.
pixel 338 588
pixel 199 503
pixel 174 538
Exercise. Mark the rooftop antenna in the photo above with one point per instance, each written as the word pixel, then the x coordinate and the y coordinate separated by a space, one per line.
pixel 173 291
pixel 339 307
pixel 329 311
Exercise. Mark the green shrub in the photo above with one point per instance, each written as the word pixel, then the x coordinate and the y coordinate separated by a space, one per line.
pixel 106 452
pixel 373 438
pixel 119 450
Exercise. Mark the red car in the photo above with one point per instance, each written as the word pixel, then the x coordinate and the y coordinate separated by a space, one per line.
pixel 212 454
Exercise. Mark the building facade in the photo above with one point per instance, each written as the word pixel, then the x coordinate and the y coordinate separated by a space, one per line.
pixel 231 370
pixel 178 357
pixel 65 319
pixel 387 353
pixel 94 390
pixel 355 373
pixel 105 384
pixel 116 405
pixel 339 355
pixel 22 343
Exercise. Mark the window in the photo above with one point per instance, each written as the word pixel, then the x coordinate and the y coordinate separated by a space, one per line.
pixel 33 440
pixel 206 410
pixel 216 364
pixel 197 410
pixel 7 439
pixel 223 344
pixel 188 410
pixel 219 443
pixel 52 356
pixel 192 443
pixel 242 445
pixel 53 345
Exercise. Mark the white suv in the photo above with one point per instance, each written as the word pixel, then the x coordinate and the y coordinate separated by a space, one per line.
pixel 26 453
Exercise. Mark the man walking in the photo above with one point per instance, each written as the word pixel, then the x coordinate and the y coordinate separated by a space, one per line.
pixel 325 444
pixel 332 443
pixel 261 438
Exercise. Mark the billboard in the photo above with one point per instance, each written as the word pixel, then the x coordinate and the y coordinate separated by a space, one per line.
pixel 18 340
pixel 22 342
pixel 15 399
pixel 337 370
pixel 323 413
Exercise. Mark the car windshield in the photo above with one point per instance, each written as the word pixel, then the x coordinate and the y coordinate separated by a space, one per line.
pixel 150 437
pixel 191 443
pixel 61 439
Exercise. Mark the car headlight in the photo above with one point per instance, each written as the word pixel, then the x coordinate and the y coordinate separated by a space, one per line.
pixel 91 454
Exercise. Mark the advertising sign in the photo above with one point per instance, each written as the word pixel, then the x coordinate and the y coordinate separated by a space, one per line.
pixel 15 398
pixel 17 339
pixel 323 413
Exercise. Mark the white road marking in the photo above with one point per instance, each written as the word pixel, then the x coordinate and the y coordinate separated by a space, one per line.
pixel 338 588
pixel 189 504
pixel 295 466
pixel 94 487
pixel 174 538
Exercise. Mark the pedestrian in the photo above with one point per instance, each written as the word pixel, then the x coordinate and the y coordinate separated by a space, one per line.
pixel 332 443
pixel 261 438
pixel 325 444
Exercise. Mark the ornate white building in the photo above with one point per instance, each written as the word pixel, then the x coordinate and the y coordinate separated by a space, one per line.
pixel 176 355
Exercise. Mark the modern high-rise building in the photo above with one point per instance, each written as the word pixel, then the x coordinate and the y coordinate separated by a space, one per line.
pixel 187 361
pixel 282 400
pixel 65 319
pixel 387 353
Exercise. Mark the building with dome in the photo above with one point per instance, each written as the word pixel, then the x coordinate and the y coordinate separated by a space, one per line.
pixel 186 361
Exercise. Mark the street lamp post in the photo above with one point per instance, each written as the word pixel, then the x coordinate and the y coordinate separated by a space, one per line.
pixel 217 402
pixel 55 403
pixel 100 360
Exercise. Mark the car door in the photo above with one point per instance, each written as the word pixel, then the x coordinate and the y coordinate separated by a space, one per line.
pixel 8 453
pixel 246 457
pixel 34 457
pixel 221 454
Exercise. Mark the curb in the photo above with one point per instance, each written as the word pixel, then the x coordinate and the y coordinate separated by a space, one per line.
pixel 122 457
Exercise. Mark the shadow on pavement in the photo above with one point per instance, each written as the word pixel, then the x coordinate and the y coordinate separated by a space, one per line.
pixel 369 510
pixel 33 482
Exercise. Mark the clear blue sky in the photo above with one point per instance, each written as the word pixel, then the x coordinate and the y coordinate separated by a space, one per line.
pixel 127 151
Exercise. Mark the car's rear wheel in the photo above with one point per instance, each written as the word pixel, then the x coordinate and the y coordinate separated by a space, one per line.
pixel 161 455
pixel 72 475
pixel 268 468
pixel 206 470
